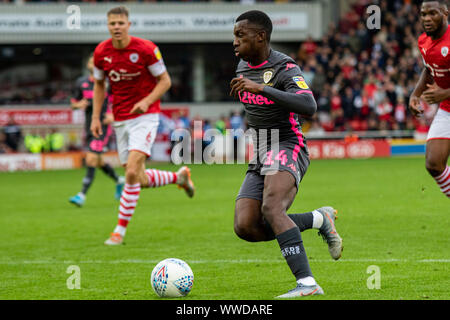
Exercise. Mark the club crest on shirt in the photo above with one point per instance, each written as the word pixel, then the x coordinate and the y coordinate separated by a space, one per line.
pixel 444 51
pixel 267 76
pixel 134 57
pixel 301 83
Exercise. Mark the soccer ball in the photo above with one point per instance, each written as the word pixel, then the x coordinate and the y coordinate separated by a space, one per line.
pixel 172 278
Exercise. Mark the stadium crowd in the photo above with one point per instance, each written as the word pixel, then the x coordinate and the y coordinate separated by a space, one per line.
pixel 362 78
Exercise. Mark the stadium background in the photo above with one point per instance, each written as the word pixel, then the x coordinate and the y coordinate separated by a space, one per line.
pixel 391 213
pixel 361 78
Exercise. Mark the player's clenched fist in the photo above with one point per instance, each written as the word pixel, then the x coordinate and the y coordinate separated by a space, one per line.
pixel 243 84
pixel 415 106
pixel 96 127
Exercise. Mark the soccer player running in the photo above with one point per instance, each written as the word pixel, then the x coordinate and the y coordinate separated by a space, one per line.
pixel 274 93
pixel 434 87
pixel 82 99
pixel 138 79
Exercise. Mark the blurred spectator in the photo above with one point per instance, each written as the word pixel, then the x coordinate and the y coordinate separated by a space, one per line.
pixel 166 125
pixel 184 118
pixel 4 148
pixel 316 129
pixel 221 125
pixel 421 129
pixel 400 114
pixel 54 141
pixel 237 125
pixel 34 142
pixel 13 134
pixel 384 110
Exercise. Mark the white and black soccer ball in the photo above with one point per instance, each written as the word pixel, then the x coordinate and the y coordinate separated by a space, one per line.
pixel 172 278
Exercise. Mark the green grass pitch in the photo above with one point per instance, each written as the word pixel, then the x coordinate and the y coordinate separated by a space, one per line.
pixel 391 215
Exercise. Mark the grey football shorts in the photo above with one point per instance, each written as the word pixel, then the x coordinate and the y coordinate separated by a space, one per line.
pixel 287 157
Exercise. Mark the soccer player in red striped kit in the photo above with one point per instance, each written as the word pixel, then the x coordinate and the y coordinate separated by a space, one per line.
pixel 434 88
pixel 138 79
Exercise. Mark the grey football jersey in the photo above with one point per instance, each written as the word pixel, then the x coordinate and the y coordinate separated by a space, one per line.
pixel 281 72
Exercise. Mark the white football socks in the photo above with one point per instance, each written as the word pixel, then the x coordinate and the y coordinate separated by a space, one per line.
pixel 120 230
pixel 308 281
pixel 317 219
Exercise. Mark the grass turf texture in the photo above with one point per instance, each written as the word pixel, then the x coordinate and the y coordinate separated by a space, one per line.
pixel 391 215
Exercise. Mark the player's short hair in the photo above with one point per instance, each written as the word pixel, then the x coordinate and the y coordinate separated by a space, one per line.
pixel 119 10
pixel 259 19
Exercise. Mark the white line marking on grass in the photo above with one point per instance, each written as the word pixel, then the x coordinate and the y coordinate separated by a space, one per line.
pixel 234 261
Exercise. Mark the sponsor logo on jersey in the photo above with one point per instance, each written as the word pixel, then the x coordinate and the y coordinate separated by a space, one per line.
pixel 108 59
pixel 157 53
pixel 301 83
pixel 251 98
pixel 267 76
pixel 134 57
pixel 114 76
pixel 444 51
pixel 122 75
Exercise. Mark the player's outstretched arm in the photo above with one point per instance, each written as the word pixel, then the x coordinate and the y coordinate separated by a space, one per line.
pixel 301 103
pixel 99 98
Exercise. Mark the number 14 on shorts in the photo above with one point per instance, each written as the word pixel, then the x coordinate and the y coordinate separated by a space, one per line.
pixel 281 156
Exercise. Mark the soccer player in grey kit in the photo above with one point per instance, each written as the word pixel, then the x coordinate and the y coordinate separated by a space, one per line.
pixel 274 94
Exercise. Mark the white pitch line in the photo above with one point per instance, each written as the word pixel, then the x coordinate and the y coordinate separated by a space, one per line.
pixel 242 261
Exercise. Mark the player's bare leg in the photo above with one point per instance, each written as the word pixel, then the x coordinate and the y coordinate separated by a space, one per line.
pixel 436 157
pixel 249 222
pixel 279 193
pixel 134 172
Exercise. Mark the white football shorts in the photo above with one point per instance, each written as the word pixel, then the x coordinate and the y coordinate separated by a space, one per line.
pixel 440 127
pixel 136 134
